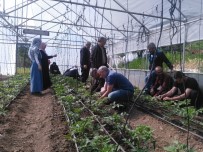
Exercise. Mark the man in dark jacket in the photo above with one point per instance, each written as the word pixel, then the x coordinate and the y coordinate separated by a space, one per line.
pixel 156 58
pixel 98 54
pixel 85 61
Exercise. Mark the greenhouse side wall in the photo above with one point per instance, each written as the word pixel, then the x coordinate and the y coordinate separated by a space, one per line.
pixel 137 77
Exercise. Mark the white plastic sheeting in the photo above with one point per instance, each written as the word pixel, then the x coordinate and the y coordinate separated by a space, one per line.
pixel 130 25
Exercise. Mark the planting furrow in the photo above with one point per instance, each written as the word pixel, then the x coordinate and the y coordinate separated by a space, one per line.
pixel 68 121
pixel 197 132
pixel 10 89
pixel 103 128
pixel 95 126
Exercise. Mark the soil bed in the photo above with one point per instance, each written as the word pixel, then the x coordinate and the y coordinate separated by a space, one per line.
pixel 34 124
pixel 37 123
pixel 164 133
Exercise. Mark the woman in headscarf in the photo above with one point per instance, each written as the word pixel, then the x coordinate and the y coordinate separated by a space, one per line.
pixel 36 83
pixel 45 66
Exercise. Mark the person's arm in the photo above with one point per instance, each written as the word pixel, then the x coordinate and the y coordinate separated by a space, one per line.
pixel 51 56
pixel 109 88
pixel 103 89
pixel 165 59
pixel 154 87
pixel 106 64
pixel 180 97
pixel 81 57
pixel 164 85
pixel 94 85
pixel 93 57
pixel 169 93
pixel 100 84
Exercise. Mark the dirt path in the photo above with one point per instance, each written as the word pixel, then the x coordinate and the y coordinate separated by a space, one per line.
pixel 164 134
pixel 37 124
pixel 34 124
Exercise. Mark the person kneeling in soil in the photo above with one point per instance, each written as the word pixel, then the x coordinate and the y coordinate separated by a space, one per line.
pixel 72 72
pixel 117 87
pixel 188 87
pixel 163 82
pixel 97 83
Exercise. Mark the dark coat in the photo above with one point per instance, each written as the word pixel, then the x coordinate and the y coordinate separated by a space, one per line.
pixel 157 59
pixel 96 57
pixel 84 57
pixel 45 70
pixel 72 72
pixel 54 69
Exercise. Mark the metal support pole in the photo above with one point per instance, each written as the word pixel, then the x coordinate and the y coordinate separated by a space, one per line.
pixel 21 6
pixel 106 19
pixel 71 24
pixel 116 10
pixel 131 15
pixel 184 43
pixel 16 50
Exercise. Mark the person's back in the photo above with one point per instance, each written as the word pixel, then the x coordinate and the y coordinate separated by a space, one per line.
pixel 119 81
pixel 195 94
pixel 72 72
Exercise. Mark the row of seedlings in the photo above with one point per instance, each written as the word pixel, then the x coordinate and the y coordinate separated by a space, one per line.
pixel 179 114
pixel 96 126
pixel 10 89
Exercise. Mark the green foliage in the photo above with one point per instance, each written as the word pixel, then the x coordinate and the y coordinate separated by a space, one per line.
pixel 88 131
pixel 139 63
pixel 193 54
pixel 82 126
pixel 178 147
pixel 23 70
pixel 102 144
pixel 10 88
pixel 22 56
pixel 142 137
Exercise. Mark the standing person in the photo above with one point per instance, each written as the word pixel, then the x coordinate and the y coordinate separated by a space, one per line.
pixel 156 58
pixel 98 54
pixel 85 61
pixel 188 88
pixel 45 66
pixel 117 87
pixel 36 83
pixel 54 69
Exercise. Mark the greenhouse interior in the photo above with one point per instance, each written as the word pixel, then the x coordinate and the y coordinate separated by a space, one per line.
pixel 101 75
